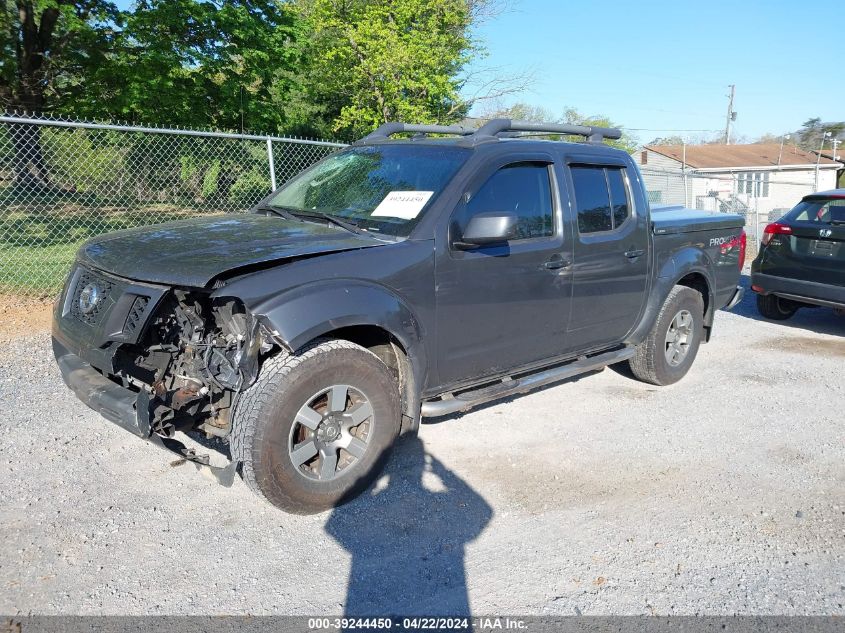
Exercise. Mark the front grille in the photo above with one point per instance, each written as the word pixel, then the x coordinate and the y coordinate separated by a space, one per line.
pixel 90 297
pixel 136 314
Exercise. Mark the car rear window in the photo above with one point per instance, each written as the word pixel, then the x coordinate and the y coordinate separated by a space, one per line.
pixel 821 210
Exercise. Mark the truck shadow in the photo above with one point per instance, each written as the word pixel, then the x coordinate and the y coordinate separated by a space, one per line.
pixel 819 320
pixel 407 538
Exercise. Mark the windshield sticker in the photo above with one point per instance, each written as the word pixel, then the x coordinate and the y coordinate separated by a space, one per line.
pixel 403 204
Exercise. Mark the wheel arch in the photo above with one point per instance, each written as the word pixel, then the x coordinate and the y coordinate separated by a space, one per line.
pixel 690 268
pixel 363 313
pixel 392 353
pixel 698 281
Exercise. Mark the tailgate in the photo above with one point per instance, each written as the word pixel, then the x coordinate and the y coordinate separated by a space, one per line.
pixel 814 248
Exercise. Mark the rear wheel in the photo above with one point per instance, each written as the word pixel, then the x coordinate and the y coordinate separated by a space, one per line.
pixel 668 352
pixel 315 428
pixel 774 308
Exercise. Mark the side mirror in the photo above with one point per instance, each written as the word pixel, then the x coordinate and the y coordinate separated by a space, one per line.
pixel 484 229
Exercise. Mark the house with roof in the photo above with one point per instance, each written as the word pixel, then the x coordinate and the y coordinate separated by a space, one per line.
pixel 757 177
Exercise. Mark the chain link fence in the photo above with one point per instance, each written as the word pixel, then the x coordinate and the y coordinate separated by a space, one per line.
pixel 62 182
pixel 760 199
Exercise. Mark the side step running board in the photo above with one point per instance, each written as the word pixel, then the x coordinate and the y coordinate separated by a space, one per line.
pixel 510 386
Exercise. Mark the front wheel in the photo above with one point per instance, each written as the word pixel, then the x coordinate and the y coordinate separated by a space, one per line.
pixel 315 428
pixel 668 352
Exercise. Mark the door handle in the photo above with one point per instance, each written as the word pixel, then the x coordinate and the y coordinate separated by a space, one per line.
pixel 557 262
pixel 634 254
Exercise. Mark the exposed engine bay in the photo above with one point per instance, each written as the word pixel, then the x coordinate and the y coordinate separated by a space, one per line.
pixel 194 358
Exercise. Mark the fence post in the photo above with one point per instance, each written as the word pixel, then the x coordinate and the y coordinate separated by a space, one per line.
pixel 271 163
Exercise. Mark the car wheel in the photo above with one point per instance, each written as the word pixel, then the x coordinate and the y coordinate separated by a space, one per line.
pixel 774 308
pixel 669 350
pixel 315 428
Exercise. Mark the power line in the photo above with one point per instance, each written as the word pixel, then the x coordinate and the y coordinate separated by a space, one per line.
pixel 660 129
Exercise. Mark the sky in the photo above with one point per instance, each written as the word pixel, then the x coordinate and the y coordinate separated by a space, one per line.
pixel 655 67
pixel 662 68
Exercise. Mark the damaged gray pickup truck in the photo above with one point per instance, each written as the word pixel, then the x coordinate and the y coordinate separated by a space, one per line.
pixel 396 279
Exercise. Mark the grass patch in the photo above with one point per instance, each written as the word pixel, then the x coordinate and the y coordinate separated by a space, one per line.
pixel 35 270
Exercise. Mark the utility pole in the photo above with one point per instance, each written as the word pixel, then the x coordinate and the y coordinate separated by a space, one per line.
pixel 731 115
pixel 819 158
pixel 783 138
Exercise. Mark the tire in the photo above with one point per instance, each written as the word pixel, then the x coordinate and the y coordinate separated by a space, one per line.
pixel 293 409
pixel 774 308
pixel 683 310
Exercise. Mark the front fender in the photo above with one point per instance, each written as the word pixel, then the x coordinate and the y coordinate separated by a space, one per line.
pixel 682 263
pixel 303 313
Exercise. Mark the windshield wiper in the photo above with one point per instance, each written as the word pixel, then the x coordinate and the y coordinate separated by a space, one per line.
pixel 344 224
pixel 280 211
pixel 301 215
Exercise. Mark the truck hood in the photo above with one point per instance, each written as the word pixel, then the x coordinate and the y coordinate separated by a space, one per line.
pixel 193 252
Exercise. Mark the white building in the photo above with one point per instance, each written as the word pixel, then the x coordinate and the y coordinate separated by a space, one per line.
pixel 760 177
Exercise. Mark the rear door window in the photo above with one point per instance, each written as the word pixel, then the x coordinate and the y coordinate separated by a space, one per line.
pixel 601 198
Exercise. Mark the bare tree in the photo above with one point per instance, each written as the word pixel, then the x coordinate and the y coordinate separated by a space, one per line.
pixel 491 85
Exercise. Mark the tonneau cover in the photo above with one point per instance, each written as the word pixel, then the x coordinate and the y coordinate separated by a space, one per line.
pixel 677 219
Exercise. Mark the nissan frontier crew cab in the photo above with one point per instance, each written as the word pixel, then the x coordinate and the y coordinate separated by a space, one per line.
pixel 397 279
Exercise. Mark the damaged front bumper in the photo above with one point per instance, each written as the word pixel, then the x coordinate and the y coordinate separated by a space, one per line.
pixel 128 409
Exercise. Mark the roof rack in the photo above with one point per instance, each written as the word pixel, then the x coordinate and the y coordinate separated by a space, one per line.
pixel 594 134
pixel 385 130
pixel 493 128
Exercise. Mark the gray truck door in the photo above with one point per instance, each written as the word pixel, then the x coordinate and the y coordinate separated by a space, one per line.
pixel 504 306
pixel 610 269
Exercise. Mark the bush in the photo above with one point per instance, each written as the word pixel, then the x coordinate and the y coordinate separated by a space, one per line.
pixel 248 189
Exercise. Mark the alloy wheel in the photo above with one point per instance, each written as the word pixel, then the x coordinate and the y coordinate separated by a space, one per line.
pixel 331 433
pixel 678 338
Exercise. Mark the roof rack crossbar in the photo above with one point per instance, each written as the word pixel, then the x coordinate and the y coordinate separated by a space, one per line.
pixel 593 133
pixel 493 128
pixel 387 129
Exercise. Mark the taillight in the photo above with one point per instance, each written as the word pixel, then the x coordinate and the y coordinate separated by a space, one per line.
pixel 775 228
pixel 740 242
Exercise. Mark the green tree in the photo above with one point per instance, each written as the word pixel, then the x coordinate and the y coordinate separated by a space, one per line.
pixel 523 112
pixel 373 61
pixel 809 137
pixel 219 64
pixel 537 114
pixel 628 142
pixel 49 47
pixel 667 140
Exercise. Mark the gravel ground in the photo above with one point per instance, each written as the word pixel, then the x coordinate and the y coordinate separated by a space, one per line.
pixel 723 494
